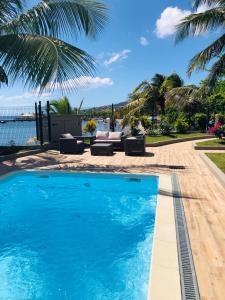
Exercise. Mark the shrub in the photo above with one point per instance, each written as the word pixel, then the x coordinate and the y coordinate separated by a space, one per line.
pixel 90 126
pixel 218 130
pixel 154 132
pixel 201 121
pixel 181 125
pixel 165 127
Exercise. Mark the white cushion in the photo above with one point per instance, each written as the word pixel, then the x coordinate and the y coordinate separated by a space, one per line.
pixel 67 136
pixel 115 135
pixel 102 135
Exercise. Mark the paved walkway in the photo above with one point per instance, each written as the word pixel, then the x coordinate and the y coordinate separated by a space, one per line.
pixel 203 196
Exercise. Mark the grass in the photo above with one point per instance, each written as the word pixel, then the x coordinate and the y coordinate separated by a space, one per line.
pixel 162 138
pixel 218 159
pixel 212 143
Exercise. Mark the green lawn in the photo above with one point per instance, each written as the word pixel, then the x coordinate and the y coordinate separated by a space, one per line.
pixel 213 143
pixel 218 159
pixel 162 138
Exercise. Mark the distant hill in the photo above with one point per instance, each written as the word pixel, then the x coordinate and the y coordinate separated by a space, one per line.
pixel 105 107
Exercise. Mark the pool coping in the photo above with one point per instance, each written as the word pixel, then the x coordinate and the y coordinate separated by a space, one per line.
pixel 165 281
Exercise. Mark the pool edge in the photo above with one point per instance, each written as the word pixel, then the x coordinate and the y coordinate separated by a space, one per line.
pixel 165 281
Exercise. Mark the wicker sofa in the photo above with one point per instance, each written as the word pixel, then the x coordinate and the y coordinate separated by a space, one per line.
pixel 70 145
pixel 114 138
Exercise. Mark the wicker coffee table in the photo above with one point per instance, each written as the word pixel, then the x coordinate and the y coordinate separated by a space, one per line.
pixel 102 149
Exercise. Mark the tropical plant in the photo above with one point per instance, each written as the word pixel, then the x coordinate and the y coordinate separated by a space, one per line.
pixel 30 44
pixel 61 106
pixel 145 122
pixel 134 122
pixel 201 120
pixel 186 98
pixel 181 124
pixel 90 126
pixel 148 95
pixel 199 22
pixel 165 126
pixel 221 118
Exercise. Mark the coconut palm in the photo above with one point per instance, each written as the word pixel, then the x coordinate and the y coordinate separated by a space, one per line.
pixel 61 106
pixel 186 98
pixel 196 23
pixel 148 95
pixel 31 48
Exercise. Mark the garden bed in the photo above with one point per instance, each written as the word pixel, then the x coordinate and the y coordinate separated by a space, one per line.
pixel 215 144
pixel 156 141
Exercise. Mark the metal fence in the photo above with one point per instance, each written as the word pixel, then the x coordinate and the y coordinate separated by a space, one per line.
pixel 25 125
pixel 18 126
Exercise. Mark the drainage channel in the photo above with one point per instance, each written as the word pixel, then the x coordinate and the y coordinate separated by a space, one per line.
pixel 189 285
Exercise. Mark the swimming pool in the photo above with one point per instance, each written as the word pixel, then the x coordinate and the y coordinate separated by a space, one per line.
pixel 76 235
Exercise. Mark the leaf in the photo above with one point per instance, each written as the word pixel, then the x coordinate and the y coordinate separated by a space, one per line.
pixel 43 62
pixel 195 24
pixel 200 60
pixel 58 18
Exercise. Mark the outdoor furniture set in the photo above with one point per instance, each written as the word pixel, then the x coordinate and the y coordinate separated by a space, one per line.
pixel 104 143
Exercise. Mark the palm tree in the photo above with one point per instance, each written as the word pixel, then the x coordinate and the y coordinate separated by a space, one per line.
pixel 148 95
pixel 186 98
pixel 196 23
pixel 30 44
pixel 61 106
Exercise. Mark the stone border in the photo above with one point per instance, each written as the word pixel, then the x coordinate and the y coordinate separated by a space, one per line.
pixel 213 167
pixel 20 154
pixel 196 147
pixel 165 275
pixel 169 142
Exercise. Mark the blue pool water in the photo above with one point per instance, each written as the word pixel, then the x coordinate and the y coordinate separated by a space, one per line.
pixel 76 236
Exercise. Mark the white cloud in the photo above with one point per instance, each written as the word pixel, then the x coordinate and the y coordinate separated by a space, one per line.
pixel 143 41
pixel 115 57
pixel 169 18
pixel 25 99
pixel 29 98
pixel 83 82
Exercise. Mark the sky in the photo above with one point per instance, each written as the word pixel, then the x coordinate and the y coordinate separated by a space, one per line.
pixel 136 43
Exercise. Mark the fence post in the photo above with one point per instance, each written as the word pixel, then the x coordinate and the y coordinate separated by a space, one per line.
pixel 49 123
pixel 40 123
pixel 36 120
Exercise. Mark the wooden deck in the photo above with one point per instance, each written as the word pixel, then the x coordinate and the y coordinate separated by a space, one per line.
pixel 203 196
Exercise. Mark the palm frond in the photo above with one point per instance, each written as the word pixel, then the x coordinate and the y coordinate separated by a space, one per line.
pixel 10 9
pixel 132 113
pixel 217 71
pixel 200 60
pixel 195 24
pixel 183 97
pixel 198 3
pixel 3 76
pixel 158 80
pixel 41 61
pixel 61 106
pixel 74 16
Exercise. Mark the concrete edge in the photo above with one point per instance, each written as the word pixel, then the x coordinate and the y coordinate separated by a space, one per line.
pixel 20 154
pixel 208 148
pixel 215 170
pixel 164 143
pixel 164 280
